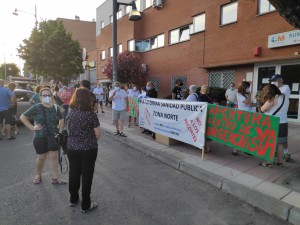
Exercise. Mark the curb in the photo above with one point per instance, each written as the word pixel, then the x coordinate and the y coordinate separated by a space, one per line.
pixel 257 199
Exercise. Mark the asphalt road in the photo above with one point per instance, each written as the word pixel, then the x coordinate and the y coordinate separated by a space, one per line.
pixel 129 187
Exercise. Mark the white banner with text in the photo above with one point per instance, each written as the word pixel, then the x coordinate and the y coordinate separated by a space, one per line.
pixel 181 120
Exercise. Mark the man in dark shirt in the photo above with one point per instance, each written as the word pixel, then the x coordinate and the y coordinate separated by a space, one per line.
pixel 177 90
pixel 151 92
pixel 87 84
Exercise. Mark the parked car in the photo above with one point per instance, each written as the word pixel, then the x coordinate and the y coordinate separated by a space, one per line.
pixel 23 96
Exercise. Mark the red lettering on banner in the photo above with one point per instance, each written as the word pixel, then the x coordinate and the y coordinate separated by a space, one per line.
pixel 256 117
pixel 245 129
pixel 199 122
pixel 270 137
pixel 266 122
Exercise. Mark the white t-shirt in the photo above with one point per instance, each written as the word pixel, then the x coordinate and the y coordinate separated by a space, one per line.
pixel 192 97
pixel 285 89
pixel 98 91
pixel 231 95
pixel 133 93
pixel 143 94
pixel 241 104
pixel 282 113
pixel 118 102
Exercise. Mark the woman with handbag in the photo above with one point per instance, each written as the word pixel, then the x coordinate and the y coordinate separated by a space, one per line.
pixel 276 104
pixel 82 147
pixel 45 117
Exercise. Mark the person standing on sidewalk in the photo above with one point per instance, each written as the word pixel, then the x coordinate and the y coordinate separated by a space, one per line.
pixel 276 104
pixel 277 80
pixel 82 148
pixel 134 93
pixel 87 84
pixel 45 117
pixel 119 100
pixel 177 90
pixel 231 95
pixel 99 93
pixel 7 100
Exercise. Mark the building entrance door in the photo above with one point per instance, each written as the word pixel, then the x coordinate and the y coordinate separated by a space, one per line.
pixel 291 76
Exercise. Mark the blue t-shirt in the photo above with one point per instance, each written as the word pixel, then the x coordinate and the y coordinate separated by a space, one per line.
pixel 5 96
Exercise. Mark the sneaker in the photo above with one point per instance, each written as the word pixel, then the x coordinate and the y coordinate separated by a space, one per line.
pixel 286 157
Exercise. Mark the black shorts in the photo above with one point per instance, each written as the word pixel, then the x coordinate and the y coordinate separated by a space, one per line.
pixel 99 101
pixel 7 116
pixel 40 145
pixel 283 133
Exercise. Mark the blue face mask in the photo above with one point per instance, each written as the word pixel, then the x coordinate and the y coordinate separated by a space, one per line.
pixel 147 88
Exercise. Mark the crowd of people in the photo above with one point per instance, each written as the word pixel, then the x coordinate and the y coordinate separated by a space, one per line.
pixel 56 108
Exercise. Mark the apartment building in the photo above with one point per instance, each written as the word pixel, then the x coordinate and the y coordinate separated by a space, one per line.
pixel 205 42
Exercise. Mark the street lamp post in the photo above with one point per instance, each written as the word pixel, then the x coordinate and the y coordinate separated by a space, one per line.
pixel 34 14
pixel 134 15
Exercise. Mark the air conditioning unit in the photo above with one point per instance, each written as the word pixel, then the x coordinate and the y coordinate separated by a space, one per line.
pixel 158 4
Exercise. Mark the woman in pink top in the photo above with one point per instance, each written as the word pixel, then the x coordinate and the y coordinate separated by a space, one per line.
pixel 66 98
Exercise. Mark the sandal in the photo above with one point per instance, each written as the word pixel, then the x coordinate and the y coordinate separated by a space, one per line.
pixel 265 164
pixel 122 135
pixel 117 133
pixel 92 207
pixel 37 179
pixel 278 164
pixel 58 181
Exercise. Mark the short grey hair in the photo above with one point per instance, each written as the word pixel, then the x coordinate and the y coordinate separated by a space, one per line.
pixel 193 88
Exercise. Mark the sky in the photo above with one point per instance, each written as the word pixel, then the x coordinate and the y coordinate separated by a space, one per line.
pixel 14 29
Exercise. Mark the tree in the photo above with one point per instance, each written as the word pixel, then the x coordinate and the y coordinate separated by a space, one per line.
pixel 11 70
pixel 51 51
pixel 129 69
pixel 289 10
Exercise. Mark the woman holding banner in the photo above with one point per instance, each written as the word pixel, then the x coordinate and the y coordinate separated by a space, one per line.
pixel 276 104
pixel 244 101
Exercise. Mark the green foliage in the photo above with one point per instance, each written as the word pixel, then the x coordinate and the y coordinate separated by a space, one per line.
pixel 51 51
pixel 129 69
pixel 11 70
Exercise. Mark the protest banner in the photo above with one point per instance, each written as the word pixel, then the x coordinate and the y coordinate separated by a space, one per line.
pixel 250 132
pixel 180 120
pixel 133 105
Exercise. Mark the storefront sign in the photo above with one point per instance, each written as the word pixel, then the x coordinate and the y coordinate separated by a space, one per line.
pixel 133 104
pixel 250 132
pixel 284 39
pixel 180 120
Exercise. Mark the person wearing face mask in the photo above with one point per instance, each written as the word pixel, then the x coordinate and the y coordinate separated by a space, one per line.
pixel 277 80
pixel 244 101
pixel 119 100
pixel 134 92
pixel 177 90
pixel 231 95
pixel 45 117
pixel 98 91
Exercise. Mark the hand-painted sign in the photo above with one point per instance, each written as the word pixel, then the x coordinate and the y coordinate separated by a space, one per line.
pixel 180 120
pixel 250 132
pixel 133 104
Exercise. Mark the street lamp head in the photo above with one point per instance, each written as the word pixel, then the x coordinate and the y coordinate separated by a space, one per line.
pixel 134 15
pixel 15 12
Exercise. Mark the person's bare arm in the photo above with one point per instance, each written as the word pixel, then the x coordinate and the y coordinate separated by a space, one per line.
pixel 61 125
pixel 26 122
pixel 97 131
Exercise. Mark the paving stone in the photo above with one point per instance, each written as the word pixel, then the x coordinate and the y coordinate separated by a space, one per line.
pixel 272 190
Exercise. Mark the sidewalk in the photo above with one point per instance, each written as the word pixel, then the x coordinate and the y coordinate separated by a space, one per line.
pixel 275 190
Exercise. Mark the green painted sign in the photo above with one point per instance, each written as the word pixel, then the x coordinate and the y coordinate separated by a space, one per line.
pixel 250 132
pixel 133 106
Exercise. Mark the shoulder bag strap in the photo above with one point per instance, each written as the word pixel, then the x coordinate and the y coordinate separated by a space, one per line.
pixel 274 113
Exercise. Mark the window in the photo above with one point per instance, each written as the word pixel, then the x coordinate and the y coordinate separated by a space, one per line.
pixel 111 19
pixel 220 78
pixel 128 9
pixel 111 52
pixel 119 14
pixel 102 54
pixel 138 5
pixel 131 45
pixel 148 3
pixel 198 23
pixel 157 42
pixel 264 6
pixel 102 24
pixel 179 35
pixel 120 48
pixel 229 13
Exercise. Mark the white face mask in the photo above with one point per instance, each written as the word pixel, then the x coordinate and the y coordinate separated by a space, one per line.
pixel 117 88
pixel 47 100
pixel 231 88
pixel 134 88
pixel 248 90
pixel 275 83
pixel 147 88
